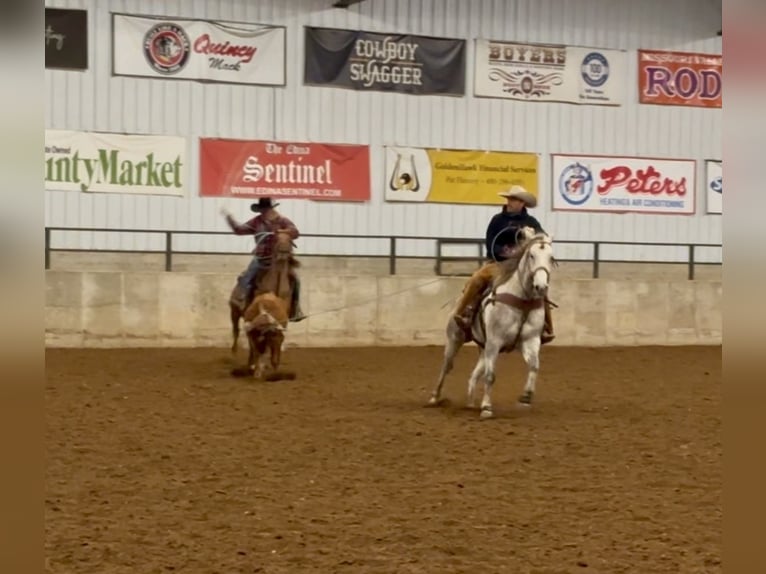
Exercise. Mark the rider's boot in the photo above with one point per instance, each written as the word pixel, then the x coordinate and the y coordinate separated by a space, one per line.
pixel 464 311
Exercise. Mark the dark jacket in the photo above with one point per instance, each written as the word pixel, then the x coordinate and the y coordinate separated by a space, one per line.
pixel 502 230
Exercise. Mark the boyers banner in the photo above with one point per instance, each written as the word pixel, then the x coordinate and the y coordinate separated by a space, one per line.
pixel 115 163
pixel 456 176
pixel 623 184
pixel 714 185
pixel 549 73
pixel 680 79
pixel 402 63
pixel 329 172
pixel 201 50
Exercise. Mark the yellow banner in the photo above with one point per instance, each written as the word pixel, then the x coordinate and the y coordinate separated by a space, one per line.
pixel 456 176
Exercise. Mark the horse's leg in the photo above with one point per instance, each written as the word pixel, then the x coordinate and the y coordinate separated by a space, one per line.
pixel 276 351
pixel 478 370
pixel 235 315
pixel 455 340
pixel 530 350
pixel 491 352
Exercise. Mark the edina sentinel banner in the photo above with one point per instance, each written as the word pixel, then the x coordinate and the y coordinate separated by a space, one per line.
pixel 456 176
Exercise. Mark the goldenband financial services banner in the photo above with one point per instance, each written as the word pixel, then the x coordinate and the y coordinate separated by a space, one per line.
pixel 714 185
pixel 115 163
pixel 623 184
pixel 403 63
pixel 549 73
pixel 456 176
pixel 201 50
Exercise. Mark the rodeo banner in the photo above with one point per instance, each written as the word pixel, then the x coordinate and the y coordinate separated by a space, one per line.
pixel 680 79
pixel 200 50
pixel 403 63
pixel 549 73
pixel 329 172
pixel 66 39
pixel 115 163
pixel 714 185
pixel 456 176
pixel 623 184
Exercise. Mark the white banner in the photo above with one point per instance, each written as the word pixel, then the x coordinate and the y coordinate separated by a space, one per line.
pixel 714 185
pixel 623 184
pixel 115 163
pixel 202 50
pixel 549 73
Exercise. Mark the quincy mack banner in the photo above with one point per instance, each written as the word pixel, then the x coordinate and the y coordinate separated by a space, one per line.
pixel 116 163
pixel 456 176
pixel 714 185
pixel 549 73
pixel 623 184
pixel 402 63
pixel 209 51
pixel 331 172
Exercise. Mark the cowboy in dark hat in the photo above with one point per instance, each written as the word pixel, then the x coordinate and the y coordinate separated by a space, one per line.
pixel 268 220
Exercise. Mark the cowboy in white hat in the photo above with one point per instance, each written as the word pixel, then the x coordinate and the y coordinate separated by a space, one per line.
pixel 267 220
pixel 502 241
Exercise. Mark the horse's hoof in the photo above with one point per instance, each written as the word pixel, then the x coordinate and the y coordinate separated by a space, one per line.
pixel 525 399
pixel 434 402
pixel 485 414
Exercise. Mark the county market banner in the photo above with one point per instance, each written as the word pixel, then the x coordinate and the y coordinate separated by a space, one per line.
pixel 201 50
pixel 714 185
pixel 330 172
pixel 623 184
pixel 115 163
pixel 403 63
pixel 456 176
pixel 549 73
pixel 680 79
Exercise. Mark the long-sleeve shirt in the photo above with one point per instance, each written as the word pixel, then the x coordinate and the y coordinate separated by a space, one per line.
pixel 502 229
pixel 259 224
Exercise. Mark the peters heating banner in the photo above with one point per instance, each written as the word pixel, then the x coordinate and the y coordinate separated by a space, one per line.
pixel 623 184
pixel 680 79
pixel 549 73
pixel 200 50
pixel 456 176
pixel 714 185
pixel 328 172
pixel 401 63
pixel 115 163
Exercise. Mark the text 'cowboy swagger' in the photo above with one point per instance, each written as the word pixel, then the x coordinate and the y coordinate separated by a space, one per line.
pixel 386 62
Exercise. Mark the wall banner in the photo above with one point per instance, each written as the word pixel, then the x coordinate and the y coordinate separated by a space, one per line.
pixel 402 63
pixel 714 185
pixel 66 39
pixel 623 184
pixel 115 163
pixel 456 176
pixel 325 172
pixel 549 73
pixel 680 79
pixel 200 50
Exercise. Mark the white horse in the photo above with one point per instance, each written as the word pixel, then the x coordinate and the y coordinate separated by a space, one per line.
pixel 511 314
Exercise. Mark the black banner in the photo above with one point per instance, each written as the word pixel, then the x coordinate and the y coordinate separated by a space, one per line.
pixel 66 39
pixel 402 63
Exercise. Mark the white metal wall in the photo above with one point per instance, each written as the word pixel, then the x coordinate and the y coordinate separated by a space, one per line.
pixel 94 100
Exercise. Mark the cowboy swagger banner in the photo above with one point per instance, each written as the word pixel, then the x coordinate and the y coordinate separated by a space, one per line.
pixel 455 175
pixel 549 73
pixel 201 50
pixel 239 168
pixel 402 63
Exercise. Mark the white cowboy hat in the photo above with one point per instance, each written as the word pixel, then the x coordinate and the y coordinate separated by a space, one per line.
pixel 518 192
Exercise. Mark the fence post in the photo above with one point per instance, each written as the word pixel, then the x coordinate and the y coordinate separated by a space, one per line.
pixel 691 262
pixel 47 248
pixel 392 256
pixel 168 251
pixel 596 246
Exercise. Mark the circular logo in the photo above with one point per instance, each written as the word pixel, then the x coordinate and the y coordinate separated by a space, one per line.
pixel 595 69
pixel 717 185
pixel 166 48
pixel 576 184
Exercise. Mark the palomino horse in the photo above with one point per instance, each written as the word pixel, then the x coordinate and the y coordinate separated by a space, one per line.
pixel 273 277
pixel 511 314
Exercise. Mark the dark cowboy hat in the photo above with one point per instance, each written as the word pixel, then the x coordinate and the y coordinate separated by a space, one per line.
pixel 263 203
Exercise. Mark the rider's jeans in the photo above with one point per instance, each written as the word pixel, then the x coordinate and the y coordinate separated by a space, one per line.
pixel 247 279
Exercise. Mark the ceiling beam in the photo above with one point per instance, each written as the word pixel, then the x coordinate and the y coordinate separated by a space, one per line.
pixel 345 3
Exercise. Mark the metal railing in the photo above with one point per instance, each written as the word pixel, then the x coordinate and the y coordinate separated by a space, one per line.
pixel 168 251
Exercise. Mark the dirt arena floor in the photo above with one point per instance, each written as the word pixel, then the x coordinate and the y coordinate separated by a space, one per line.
pixel 159 461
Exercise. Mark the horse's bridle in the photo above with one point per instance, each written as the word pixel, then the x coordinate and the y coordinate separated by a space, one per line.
pixel 527 288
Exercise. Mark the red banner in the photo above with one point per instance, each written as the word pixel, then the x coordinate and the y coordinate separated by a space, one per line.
pixel 680 78
pixel 325 172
